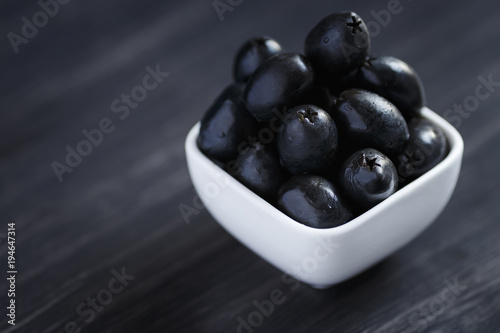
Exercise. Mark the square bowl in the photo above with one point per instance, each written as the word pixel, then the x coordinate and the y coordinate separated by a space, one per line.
pixel 324 257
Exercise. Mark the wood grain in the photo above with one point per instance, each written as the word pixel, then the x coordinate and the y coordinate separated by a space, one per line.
pixel 119 207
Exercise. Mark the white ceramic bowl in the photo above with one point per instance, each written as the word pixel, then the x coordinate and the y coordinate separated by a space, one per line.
pixel 324 257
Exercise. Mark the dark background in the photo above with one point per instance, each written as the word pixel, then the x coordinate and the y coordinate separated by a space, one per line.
pixel 119 207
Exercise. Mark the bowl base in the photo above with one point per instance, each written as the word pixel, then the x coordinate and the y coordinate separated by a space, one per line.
pixel 321 286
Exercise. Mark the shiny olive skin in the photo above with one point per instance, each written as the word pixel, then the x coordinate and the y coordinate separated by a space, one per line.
pixel 278 83
pixel 251 55
pixel 395 80
pixel 368 177
pixel 225 125
pixel 369 120
pixel 426 147
pixel 258 168
pixel 313 201
pixel 308 141
pixel 338 44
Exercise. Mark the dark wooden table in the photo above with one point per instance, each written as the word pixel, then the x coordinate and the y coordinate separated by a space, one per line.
pixel 116 213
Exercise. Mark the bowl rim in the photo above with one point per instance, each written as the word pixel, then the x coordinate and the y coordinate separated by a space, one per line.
pixel 455 143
